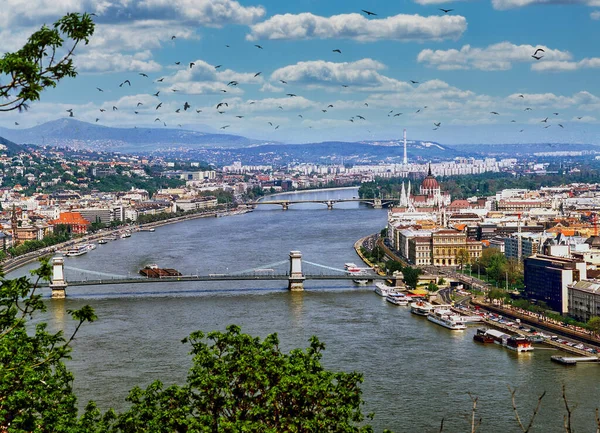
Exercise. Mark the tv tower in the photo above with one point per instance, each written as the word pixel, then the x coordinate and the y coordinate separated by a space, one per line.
pixel 405 161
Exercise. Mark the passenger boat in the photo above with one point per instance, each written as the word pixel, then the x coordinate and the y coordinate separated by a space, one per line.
pixel 421 308
pixel 102 241
pixel 482 337
pixel 125 235
pixel 77 250
pixel 354 270
pixel 447 319
pixel 397 299
pixel 383 289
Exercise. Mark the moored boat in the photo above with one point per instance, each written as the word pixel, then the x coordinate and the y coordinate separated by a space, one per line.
pixel 383 289
pixel 421 308
pixel 102 241
pixel 397 299
pixel 77 250
pixel 519 344
pixel 482 337
pixel 446 318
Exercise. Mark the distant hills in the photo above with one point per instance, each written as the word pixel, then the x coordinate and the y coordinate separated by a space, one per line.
pixel 82 135
pixel 11 148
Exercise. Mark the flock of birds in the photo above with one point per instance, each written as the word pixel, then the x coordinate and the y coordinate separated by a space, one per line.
pixel 223 106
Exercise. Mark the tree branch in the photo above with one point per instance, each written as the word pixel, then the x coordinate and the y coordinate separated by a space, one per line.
pixel 535 411
pixel 567 417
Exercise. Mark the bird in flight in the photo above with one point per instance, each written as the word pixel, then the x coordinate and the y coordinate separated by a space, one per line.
pixel 97 120
pixel 579 118
pixel 537 57
pixel 139 103
pixel 324 111
pixel 175 90
pixel 224 91
pixel 437 124
pixel 280 107
pixel 544 121
pixel 143 75
pixel 360 117
pixel 198 111
pixel 102 110
pixel 158 106
pixel 173 37
pixel 527 109
pixel 224 127
pixel 283 81
pixel 337 51
pixel 156 94
pixel 186 106
pixel 397 114
pixel 192 64
pixel 259 47
pixel 232 83
pixel 446 10
pixel 160 80
pixel 99 89
pixel 330 106
pixel 218 66
pixel 257 74
pixel 418 111
pixel 344 85
pixel 291 95
pixel 538 50
pixel 157 119
pixel 17 123
pixel 546 127
pixel 178 110
pixel 521 96
pixel 368 12
pixel 494 112
pixel 521 130
pixel 178 63
pixel 414 82
pixel 270 123
pixel 220 104
pixel 300 116
pixel 115 108
pixel 240 117
pixel 556 114
pixel 277 127
pixel 126 81
pixel 136 112
pixel 560 125
pixel 366 105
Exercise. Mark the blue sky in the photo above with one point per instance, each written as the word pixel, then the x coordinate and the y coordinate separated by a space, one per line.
pixel 468 63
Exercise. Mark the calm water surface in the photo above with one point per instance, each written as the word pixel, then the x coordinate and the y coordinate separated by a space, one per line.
pixel 415 372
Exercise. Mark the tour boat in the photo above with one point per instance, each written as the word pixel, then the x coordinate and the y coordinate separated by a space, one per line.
pixel 517 343
pixel 421 308
pixel 383 289
pixel 125 235
pixel 102 241
pixel 77 250
pixel 447 319
pixel 397 299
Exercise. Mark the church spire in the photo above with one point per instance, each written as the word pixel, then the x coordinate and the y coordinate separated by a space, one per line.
pixel 429 172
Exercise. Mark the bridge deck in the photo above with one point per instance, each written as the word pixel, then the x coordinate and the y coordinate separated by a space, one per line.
pixel 189 278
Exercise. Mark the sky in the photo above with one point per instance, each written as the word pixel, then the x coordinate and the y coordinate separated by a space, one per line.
pixel 314 70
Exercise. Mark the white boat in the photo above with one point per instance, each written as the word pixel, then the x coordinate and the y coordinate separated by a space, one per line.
pixel 350 266
pixel 125 235
pixel 397 299
pixel 77 250
pixel 383 289
pixel 102 241
pixel 447 319
pixel 421 308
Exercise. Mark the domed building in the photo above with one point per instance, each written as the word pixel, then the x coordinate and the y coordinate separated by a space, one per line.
pixel 430 194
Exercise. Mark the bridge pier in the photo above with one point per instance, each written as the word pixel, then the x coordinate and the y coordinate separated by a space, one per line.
pixel 285 205
pixel 377 203
pixel 296 279
pixel 329 205
pixel 58 284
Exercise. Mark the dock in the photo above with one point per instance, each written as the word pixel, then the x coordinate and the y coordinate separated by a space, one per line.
pixel 573 360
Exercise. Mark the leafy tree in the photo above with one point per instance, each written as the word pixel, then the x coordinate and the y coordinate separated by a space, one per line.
pixel 594 325
pixel 497 294
pixel 378 253
pixel 432 287
pixel 462 257
pixel 36 392
pixel 411 276
pixel 392 266
pixel 239 383
pixel 441 281
pixel 383 233
pixel 39 64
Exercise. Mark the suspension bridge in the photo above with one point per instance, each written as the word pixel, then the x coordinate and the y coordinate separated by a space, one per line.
pixel 377 203
pixel 295 276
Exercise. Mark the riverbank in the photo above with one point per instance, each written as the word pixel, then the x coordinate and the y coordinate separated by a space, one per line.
pixel 15 263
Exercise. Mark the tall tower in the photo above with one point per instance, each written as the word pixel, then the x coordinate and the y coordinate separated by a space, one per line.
pixel 405 160
pixel 14 223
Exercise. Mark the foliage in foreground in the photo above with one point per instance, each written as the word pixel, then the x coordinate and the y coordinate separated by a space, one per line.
pixel 239 383
pixel 36 392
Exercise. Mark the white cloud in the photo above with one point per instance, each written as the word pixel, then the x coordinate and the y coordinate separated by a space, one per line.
pixel 512 4
pixel 97 61
pixel 495 57
pixel 595 15
pixel 563 66
pixel 361 75
pixel 357 27
pixel 268 87
pixel 198 12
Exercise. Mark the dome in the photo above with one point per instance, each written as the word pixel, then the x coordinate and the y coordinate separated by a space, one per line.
pixel 429 182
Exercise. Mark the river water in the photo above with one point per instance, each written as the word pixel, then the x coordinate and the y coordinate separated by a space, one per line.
pixel 415 372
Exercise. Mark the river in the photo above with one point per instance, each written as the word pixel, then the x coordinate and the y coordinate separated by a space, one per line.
pixel 415 372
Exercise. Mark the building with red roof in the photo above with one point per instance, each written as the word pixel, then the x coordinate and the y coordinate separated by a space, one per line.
pixel 76 223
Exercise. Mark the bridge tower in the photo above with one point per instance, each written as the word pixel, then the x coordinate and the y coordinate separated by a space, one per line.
pixel 58 284
pixel 285 205
pixel 377 203
pixel 296 279
pixel 329 204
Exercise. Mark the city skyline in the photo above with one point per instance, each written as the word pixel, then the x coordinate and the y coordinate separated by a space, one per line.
pixel 285 67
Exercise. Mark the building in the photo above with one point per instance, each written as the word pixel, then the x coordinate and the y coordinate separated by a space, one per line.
pixel 584 299
pixel 97 215
pixel 197 203
pixel 547 279
pixel 530 245
pixel 419 250
pixel 73 220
